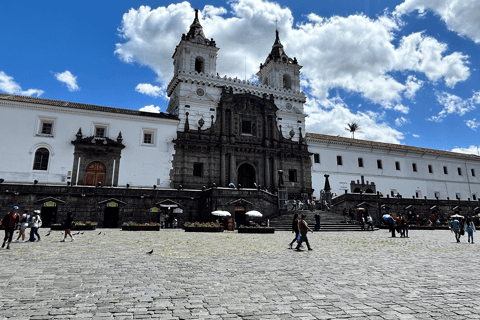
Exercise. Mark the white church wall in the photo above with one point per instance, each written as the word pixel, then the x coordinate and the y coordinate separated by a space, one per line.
pixel 141 165
pixel 405 181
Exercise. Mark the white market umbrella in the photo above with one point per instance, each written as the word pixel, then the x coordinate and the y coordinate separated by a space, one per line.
pixel 457 216
pixel 220 213
pixel 254 213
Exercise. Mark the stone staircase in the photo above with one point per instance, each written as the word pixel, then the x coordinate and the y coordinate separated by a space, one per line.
pixel 329 221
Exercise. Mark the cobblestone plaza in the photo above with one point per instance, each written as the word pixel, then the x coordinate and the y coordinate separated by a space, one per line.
pixel 355 275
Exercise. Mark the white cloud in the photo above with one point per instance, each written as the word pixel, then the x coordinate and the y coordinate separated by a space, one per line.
pixel 453 104
pixel 353 53
pixel 413 85
pixel 415 135
pixel 323 46
pixel 8 85
pixel 421 53
pixel 460 16
pixel 473 124
pixel 69 79
pixel 332 116
pixel 150 108
pixel 151 90
pixel 470 150
pixel 400 121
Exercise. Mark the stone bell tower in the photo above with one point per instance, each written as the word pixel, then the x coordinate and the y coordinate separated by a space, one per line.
pixel 192 99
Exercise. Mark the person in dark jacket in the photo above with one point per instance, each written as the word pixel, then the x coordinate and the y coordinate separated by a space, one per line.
pixel 9 222
pixel 68 226
pixel 294 229
pixel 303 228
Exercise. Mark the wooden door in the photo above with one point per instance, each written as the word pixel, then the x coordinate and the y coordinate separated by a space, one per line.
pixel 95 173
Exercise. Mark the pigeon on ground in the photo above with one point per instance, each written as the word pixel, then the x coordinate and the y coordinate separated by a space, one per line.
pixel 150 252
pixel 99 233
pixel 83 232
pixel 47 234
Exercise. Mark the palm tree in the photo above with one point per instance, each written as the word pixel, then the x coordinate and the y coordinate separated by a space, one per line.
pixel 353 127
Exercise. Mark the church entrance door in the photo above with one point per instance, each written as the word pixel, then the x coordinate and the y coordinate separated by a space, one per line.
pixel 246 176
pixel 95 173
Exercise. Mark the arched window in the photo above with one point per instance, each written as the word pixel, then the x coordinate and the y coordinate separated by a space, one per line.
pixel 287 81
pixel 199 64
pixel 41 159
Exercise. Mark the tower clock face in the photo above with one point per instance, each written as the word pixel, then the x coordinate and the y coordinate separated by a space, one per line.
pixel 200 92
pixel 289 106
pixel 199 40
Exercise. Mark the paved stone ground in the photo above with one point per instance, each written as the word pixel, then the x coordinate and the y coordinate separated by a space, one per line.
pixel 358 275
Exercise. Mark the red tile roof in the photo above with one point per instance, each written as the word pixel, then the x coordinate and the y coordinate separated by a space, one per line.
pixel 83 106
pixel 397 147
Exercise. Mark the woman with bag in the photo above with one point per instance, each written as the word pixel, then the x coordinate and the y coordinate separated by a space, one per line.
pixel 470 227
pixel 294 229
pixel 303 228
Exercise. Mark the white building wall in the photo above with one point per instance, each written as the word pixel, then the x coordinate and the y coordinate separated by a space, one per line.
pixel 140 165
pixel 405 181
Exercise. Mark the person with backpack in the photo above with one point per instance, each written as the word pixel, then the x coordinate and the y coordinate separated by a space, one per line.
pixel 470 227
pixel 303 228
pixel 9 222
pixel 294 229
pixel 36 223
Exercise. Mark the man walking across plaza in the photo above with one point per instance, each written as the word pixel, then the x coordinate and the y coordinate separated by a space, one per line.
pixel 455 228
pixel 303 228
pixel 9 222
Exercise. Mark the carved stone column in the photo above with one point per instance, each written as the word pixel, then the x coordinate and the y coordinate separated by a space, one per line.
pixel 275 175
pixel 233 167
pixel 222 168
pixel 267 171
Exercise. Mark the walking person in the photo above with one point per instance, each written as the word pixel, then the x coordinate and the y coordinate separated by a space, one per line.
pixel 36 223
pixel 470 227
pixel 351 214
pixel 405 227
pixel 345 215
pixel 294 229
pixel 317 221
pixel 455 228
pixel 68 226
pixel 303 228
pixel 23 225
pixel 9 222
pixel 391 225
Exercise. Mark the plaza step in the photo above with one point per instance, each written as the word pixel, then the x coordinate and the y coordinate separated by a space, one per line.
pixel 329 221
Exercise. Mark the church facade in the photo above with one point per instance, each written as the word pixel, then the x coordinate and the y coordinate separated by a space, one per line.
pixel 216 131
pixel 234 131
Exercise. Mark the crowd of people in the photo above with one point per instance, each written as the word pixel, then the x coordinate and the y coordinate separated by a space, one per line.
pixel 22 222
pixel 361 215
pixel 14 221
pixel 299 204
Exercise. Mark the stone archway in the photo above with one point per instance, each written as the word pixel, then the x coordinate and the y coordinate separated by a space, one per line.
pixel 96 172
pixel 246 176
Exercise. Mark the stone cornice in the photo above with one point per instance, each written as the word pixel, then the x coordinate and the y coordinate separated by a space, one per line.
pixel 237 85
pixel 86 112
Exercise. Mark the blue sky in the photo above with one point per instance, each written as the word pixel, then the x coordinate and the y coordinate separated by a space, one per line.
pixel 405 70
